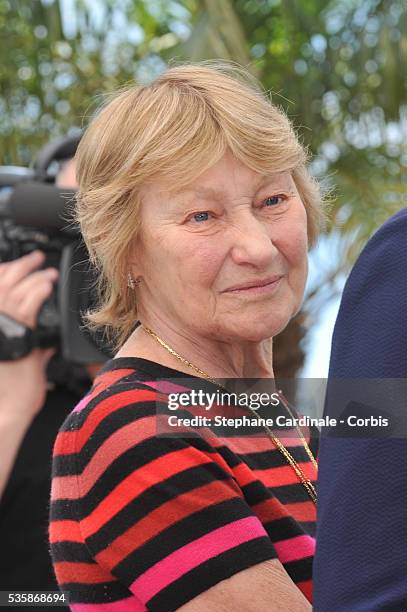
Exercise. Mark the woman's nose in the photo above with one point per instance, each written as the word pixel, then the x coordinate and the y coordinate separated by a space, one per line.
pixel 252 243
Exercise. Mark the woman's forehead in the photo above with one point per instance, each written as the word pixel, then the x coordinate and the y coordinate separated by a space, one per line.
pixel 215 186
pixel 236 175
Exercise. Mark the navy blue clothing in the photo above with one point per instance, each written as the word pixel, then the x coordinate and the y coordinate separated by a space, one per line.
pixel 361 556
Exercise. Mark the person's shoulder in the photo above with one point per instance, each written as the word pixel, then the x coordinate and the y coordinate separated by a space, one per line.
pixel 370 334
pixel 393 232
pixel 117 398
pixel 383 257
pixel 398 220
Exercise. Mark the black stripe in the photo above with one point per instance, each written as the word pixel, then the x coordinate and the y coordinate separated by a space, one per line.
pixel 309 527
pixel 301 569
pixel 185 531
pixel 75 552
pixel 102 592
pixel 148 370
pixel 210 573
pixel 284 528
pixel 257 492
pixel 70 422
pixel 273 458
pixel 314 440
pixel 152 498
pixel 231 458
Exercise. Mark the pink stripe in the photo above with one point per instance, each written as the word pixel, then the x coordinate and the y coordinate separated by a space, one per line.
pixel 84 401
pixel 124 605
pixel 295 548
pixel 165 386
pixel 195 553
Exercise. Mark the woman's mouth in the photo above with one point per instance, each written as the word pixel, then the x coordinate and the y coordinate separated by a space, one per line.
pixel 258 287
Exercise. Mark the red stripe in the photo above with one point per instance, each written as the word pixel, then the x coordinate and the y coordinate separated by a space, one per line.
pixel 83 573
pixel 245 445
pixel 270 510
pixel 302 511
pixel 285 475
pixel 243 474
pixel 295 548
pixel 60 531
pixel 306 587
pixel 103 380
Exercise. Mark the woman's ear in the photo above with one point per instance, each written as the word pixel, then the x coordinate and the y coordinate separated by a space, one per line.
pixel 133 282
pixel 136 269
pixel 134 261
pixel 130 281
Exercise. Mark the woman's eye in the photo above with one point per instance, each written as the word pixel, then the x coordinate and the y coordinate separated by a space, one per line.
pixel 272 200
pixel 201 216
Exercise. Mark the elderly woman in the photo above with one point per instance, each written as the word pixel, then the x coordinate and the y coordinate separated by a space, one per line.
pixel 198 211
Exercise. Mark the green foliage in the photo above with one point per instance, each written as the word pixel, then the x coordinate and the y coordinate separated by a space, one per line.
pixel 56 66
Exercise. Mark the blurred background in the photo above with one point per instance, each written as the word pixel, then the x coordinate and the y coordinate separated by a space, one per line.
pixel 337 68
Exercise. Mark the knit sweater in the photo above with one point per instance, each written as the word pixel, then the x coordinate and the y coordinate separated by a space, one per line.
pixel 146 522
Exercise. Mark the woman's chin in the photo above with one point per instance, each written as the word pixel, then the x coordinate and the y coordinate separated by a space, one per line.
pixel 256 331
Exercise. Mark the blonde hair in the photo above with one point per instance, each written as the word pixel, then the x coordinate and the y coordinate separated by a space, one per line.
pixel 172 130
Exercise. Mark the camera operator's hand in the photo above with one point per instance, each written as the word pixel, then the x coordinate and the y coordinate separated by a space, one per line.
pixel 23 384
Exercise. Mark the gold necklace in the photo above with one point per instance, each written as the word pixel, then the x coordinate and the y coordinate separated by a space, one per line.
pixel 307 484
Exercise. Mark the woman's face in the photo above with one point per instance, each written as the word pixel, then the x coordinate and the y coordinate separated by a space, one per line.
pixel 225 259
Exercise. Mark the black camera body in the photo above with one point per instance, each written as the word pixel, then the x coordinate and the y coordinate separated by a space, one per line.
pixel 35 214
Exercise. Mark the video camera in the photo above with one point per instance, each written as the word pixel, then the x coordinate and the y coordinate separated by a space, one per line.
pixel 34 214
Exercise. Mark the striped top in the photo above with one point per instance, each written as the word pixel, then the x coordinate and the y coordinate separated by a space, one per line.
pixel 146 522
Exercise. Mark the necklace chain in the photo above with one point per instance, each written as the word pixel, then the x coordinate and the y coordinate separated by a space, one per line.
pixel 308 485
